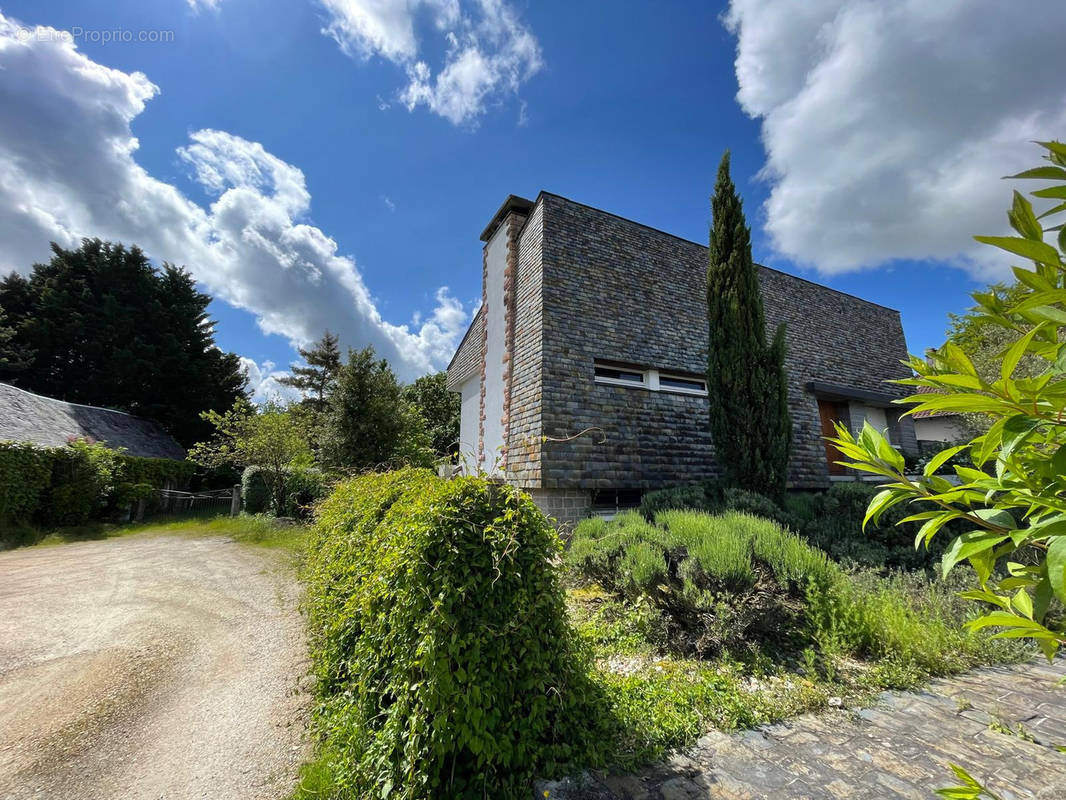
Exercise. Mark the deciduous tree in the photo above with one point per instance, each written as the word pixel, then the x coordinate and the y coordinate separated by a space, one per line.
pixel 270 437
pixel 440 410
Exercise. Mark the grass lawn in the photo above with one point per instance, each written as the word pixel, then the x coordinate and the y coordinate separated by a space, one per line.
pixel 258 530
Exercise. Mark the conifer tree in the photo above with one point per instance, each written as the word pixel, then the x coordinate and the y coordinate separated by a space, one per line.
pixel 318 378
pixel 750 424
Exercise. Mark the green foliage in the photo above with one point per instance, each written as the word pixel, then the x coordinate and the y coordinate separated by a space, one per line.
pixel 369 425
pixel 445 665
pixel 318 377
pixel 1013 500
pixel 255 493
pixel 68 486
pixel 750 424
pixel 439 408
pixel 742 585
pixel 25 474
pixel 83 478
pixel 271 438
pixel 303 488
pixel 831 520
pixel 706 496
pixel 723 582
pixel 99 325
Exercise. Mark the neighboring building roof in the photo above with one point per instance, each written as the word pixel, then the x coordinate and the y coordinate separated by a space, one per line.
pixel 45 421
pixel 931 414
pixel 467 358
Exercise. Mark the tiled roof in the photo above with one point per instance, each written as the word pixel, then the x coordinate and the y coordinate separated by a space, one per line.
pixel 931 414
pixel 44 421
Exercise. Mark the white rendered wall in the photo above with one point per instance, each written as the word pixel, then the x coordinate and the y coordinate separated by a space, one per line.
pixel 938 429
pixel 496 262
pixel 875 416
pixel 470 409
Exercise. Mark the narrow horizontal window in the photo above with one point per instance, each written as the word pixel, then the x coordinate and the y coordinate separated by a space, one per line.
pixel 619 375
pixel 668 383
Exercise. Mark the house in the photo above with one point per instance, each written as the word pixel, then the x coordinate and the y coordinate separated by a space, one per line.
pixel 47 422
pixel 935 429
pixel 582 374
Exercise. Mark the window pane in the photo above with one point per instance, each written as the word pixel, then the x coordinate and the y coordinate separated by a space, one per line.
pixel 682 383
pixel 619 375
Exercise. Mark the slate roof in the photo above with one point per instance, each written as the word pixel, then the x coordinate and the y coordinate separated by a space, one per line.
pixel 467 358
pixel 44 421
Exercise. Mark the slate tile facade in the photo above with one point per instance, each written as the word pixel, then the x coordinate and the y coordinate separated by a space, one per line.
pixel 585 285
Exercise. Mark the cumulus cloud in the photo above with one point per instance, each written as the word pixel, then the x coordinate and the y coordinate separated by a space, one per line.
pixel 888 125
pixel 489 52
pixel 67 170
pixel 264 383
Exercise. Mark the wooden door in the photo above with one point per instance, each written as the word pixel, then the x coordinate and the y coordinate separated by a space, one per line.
pixel 830 413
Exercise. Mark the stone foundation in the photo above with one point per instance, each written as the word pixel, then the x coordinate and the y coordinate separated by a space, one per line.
pixel 565 507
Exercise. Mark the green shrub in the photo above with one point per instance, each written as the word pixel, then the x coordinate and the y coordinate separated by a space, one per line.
pixel 706 496
pixel 65 486
pixel 757 505
pixel 160 473
pixel 445 663
pixel 25 473
pixel 254 490
pixel 832 521
pixel 829 520
pixel 304 487
pixel 742 583
pixel 723 582
pixel 83 478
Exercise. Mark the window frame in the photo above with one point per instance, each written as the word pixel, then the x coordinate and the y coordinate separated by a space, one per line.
pixel 651 379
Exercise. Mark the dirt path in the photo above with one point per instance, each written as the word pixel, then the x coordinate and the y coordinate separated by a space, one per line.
pixel 149 667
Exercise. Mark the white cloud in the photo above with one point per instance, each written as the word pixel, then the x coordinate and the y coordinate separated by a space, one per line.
pixel 489 52
pixel 67 170
pixel 391 206
pixel 264 383
pixel 888 125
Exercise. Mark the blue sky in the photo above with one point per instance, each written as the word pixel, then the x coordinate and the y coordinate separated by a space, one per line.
pixel 844 172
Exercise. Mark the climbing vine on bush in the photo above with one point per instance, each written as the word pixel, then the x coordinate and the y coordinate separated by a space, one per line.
pixel 445 664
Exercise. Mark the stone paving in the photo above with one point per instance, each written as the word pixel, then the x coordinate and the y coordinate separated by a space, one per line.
pixel 1003 724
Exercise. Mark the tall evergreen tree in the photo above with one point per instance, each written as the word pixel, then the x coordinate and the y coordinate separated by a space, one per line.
pixel 100 325
pixel 750 424
pixel 369 424
pixel 317 379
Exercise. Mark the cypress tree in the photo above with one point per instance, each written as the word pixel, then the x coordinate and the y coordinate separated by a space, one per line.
pixel 750 424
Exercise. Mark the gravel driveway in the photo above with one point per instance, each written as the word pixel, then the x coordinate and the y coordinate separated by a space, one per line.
pixel 150 667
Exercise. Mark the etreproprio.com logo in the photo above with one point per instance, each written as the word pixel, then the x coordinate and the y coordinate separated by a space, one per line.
pixel 79 35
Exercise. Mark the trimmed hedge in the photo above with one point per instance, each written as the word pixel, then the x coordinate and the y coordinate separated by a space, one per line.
pixel 56 486
pixel 445 663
